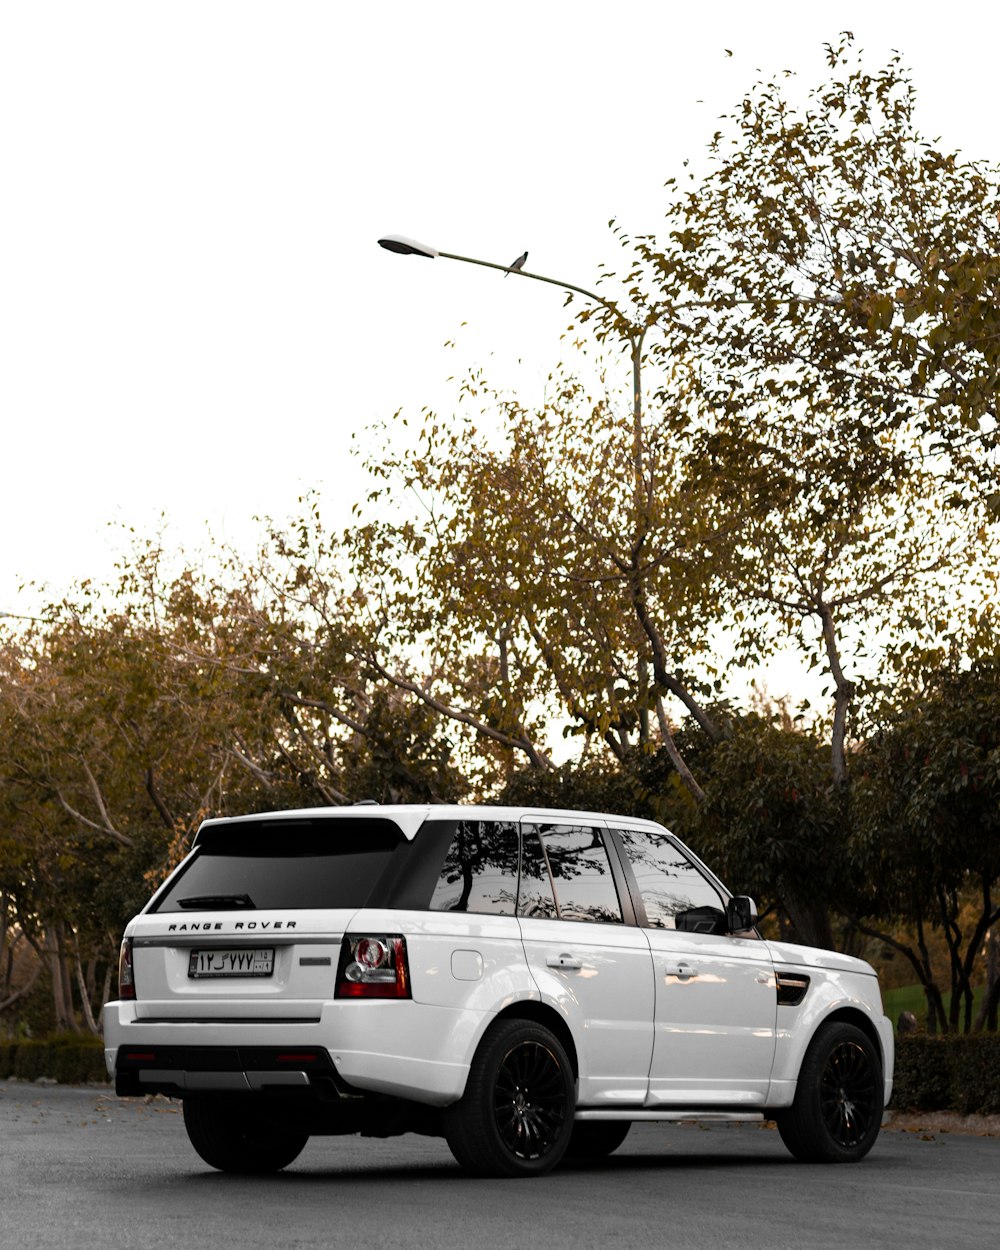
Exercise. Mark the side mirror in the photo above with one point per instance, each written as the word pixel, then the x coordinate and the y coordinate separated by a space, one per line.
pixel 741 913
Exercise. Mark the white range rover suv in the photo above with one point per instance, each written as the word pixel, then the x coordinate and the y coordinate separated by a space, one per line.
pixel 527 984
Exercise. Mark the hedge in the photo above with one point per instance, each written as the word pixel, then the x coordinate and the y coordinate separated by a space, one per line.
pixel 66 1058
pixel 959 1072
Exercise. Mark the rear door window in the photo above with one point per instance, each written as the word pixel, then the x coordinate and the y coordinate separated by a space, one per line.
pixel 535 900
pixel 581 872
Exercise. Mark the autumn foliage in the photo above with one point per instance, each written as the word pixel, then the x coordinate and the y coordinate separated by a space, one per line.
pixel 777 430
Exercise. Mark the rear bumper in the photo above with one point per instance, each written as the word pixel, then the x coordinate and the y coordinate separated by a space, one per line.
pixel 181 1070
pixel 401 1049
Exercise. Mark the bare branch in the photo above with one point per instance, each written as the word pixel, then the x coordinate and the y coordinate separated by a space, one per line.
pixel 538 758
pixel 120 838
pixel 674 755
pixel 165 814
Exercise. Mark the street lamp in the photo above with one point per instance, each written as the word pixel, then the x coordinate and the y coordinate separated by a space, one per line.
pixel 629 331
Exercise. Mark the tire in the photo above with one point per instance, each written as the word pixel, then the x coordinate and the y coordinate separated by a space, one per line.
pixel 596 1139
pixel 236 1139
pixel 837 1112
pixel 516 1116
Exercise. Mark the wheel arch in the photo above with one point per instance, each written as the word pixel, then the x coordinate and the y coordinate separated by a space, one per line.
pixel 795 1039
pixel 851 1015
pixel 541 1013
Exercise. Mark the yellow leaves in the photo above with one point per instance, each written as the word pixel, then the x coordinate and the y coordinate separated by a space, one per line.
pixel 880 310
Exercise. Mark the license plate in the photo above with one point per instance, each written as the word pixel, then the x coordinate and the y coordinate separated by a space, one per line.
pixel 232 963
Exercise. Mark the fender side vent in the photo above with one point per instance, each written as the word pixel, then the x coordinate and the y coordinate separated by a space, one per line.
pixel 792 988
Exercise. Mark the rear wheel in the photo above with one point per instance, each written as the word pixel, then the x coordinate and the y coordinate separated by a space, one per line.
pixel 596 1139
pixel 235 1138
pixel 839 1099
pixel 516 1116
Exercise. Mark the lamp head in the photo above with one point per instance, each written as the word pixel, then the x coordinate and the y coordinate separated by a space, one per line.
pixel 406 247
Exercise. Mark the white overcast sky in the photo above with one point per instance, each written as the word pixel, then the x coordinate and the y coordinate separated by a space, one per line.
pixel 194 314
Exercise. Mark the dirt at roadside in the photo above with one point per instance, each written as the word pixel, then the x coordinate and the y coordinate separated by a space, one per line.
pixel 935 1122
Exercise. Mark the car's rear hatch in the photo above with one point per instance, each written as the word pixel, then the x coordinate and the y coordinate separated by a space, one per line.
pixel 250 927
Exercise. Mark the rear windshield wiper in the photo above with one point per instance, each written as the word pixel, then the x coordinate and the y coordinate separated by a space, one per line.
pixel 217 901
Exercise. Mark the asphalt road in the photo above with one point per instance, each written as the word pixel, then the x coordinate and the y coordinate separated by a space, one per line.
pixel 81 1168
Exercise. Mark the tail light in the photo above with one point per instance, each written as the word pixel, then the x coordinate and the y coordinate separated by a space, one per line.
pixel 373 967
pixel 126 973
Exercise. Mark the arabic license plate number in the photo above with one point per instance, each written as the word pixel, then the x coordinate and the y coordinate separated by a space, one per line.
pixel 242 962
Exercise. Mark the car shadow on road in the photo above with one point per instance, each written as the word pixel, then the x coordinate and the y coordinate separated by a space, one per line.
pixel 448 1171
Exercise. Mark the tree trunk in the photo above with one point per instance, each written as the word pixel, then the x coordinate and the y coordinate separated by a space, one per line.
pixel 921 966
pixel 81 984
pixel 843 694
pixel 62 987
pixel 675 756
pixel 58 994
pixel 9 998
pixel 105 992
pixel 987 1016
pixel 6 953
pixel 811 920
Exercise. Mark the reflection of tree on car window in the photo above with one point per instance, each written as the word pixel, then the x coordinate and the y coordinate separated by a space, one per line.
pixel 675 894
pixel 479 873
pixel 581 873
pixel 573 850
pixel 536 900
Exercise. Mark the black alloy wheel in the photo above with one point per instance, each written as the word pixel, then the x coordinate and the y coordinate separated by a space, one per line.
pixel 839 1098
pixel 849 1093
pixel 529 1100
pixel 516 1115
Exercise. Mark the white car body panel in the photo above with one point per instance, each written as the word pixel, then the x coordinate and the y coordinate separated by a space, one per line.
pixel 838 983
pixel 163 943
pixel 715 1019
pixel 606 999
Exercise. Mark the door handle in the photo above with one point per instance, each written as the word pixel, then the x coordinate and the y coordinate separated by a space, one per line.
pixel 563 961
pixel 683 972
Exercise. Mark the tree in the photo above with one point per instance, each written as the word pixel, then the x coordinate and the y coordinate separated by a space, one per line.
pixel 771 823
pixel 814 464
pixel 133 711
pixel 926 834
pixel 807 468
pixel 543 581
pixel 106 759
pixel 837 280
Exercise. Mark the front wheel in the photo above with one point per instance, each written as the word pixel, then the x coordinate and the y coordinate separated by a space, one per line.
pixel 233 1138
pixel 516 1116
pixel 837 1112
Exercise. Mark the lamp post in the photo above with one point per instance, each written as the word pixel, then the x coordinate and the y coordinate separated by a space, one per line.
pixel 629 331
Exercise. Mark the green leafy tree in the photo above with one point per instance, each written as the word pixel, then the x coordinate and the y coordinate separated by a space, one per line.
pixel 926 834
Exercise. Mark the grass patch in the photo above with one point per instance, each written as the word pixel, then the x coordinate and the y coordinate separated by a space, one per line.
pixel 911 998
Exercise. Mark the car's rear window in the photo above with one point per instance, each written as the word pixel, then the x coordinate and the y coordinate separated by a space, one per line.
pixel 260 866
